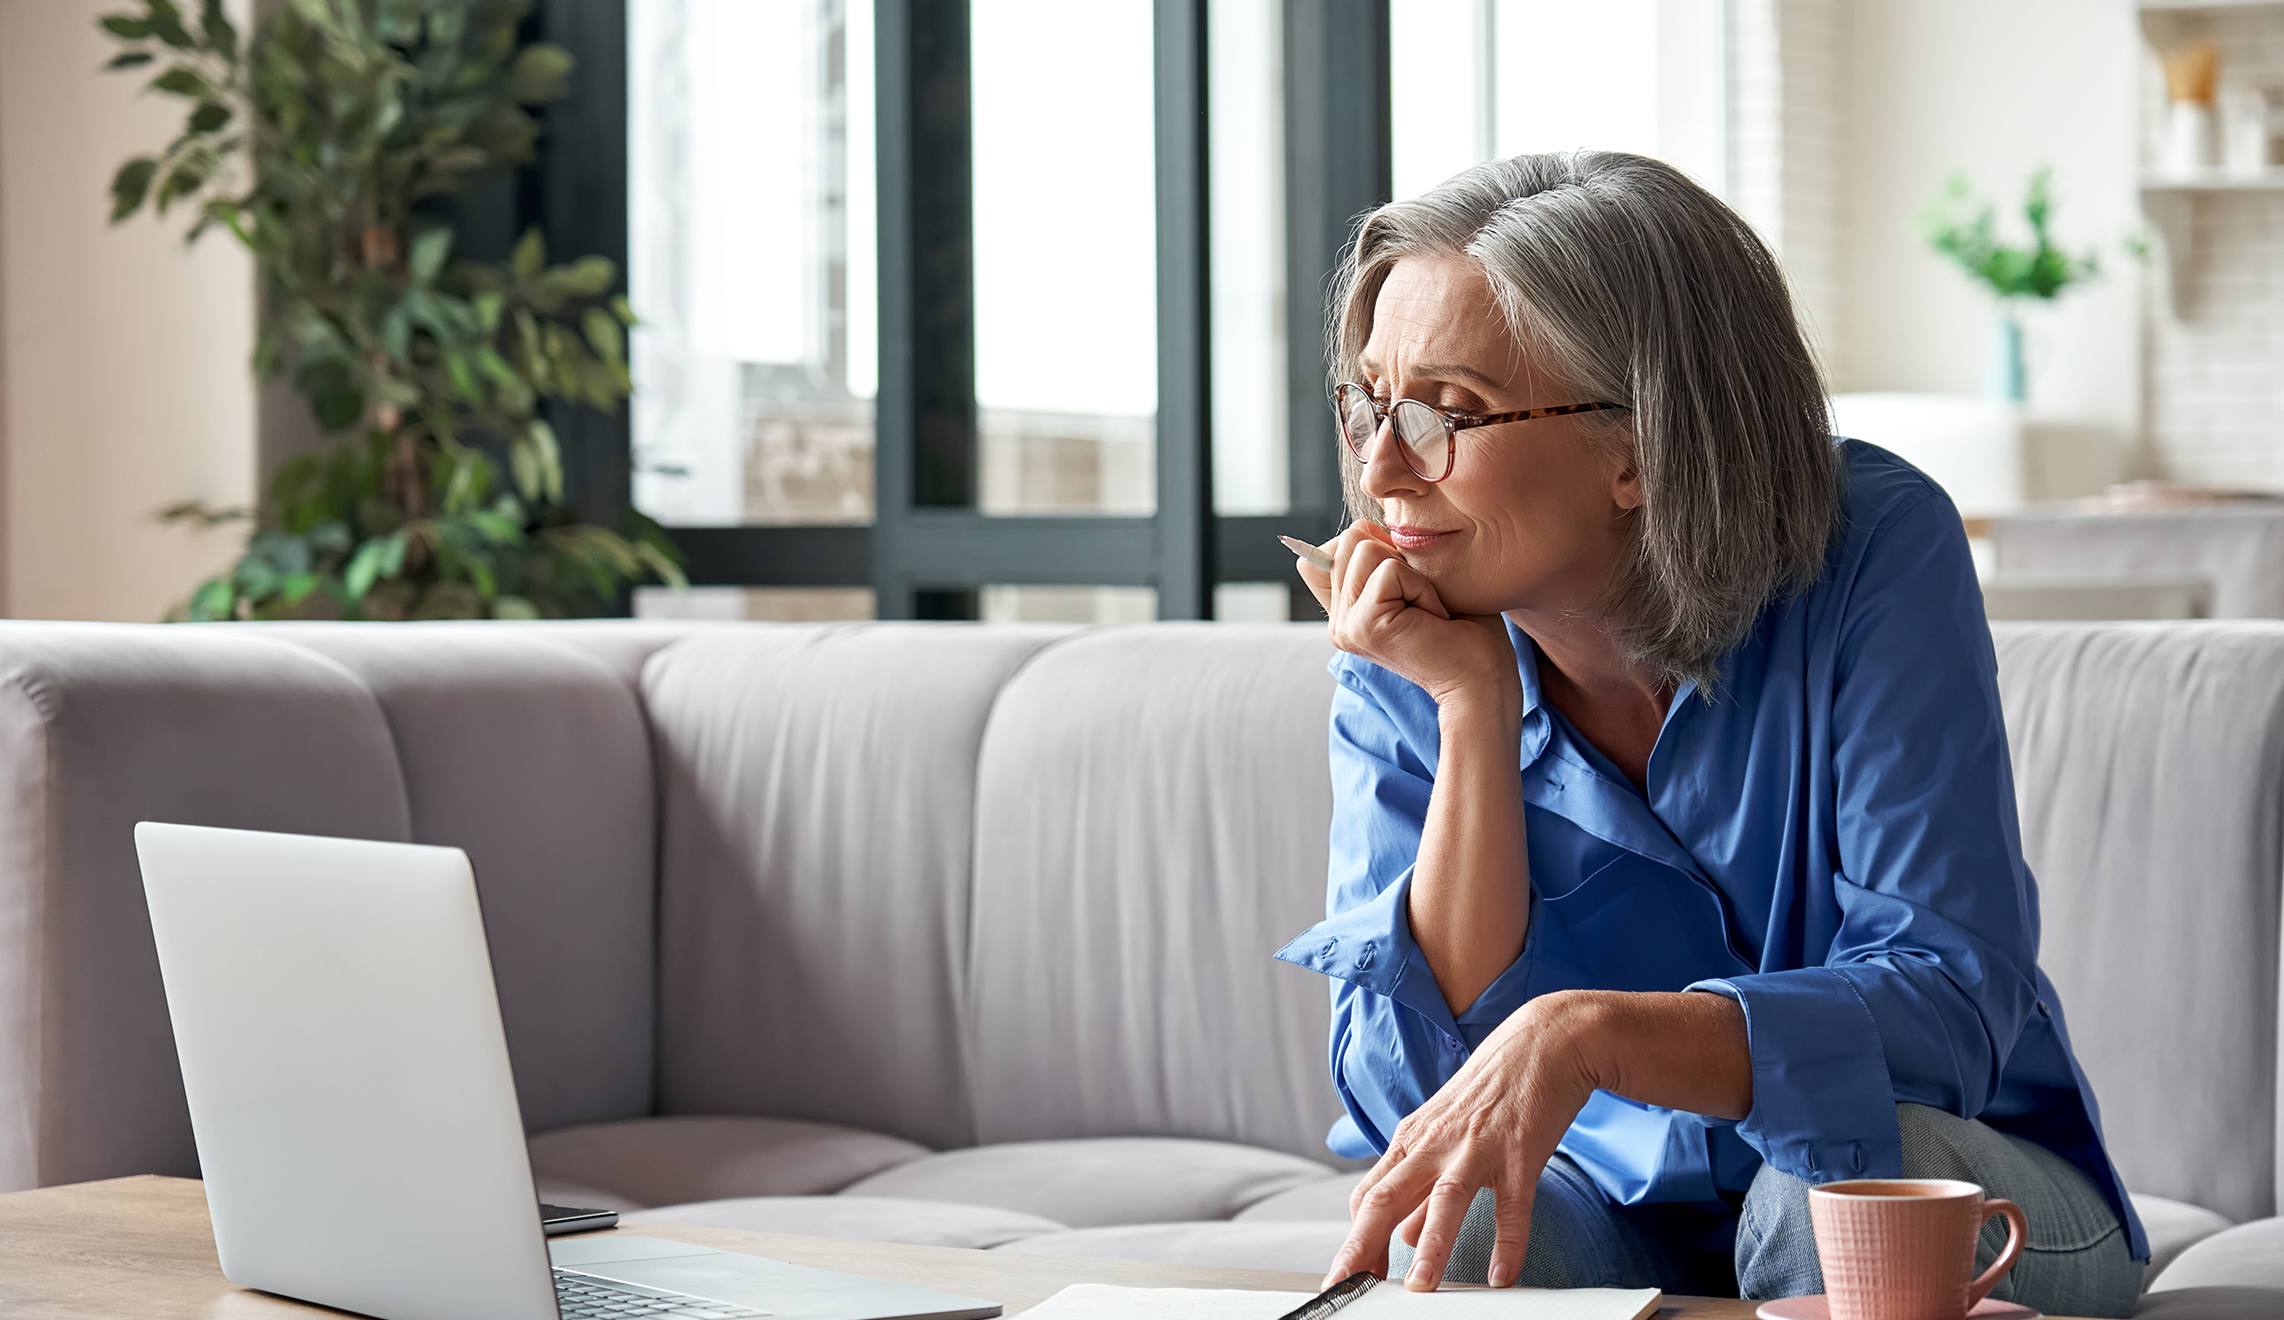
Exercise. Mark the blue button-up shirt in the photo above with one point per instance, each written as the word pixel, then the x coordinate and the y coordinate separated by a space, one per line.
pixel 1829 840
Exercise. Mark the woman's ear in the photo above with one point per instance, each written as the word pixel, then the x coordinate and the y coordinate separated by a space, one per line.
pixel 1626 487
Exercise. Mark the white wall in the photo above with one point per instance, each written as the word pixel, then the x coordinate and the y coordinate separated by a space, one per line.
pixel 124 383
pixel 1995 88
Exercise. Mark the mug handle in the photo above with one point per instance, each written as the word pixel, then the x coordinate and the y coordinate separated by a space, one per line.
pixel 2017 1231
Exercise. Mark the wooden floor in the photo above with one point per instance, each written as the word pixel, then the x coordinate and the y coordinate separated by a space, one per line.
pixel 143 1248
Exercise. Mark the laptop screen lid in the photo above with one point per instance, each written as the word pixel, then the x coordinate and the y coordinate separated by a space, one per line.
pixel 347 1075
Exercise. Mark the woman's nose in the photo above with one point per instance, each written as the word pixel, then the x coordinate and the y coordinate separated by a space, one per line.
pixel 1386 472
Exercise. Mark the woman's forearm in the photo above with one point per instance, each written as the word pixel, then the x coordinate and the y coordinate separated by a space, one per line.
pixel 1470 897
pixel 1688 1051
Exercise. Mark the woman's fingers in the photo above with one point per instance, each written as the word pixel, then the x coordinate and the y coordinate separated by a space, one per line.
pixel 1446 1210
pixel 1318 581
pixel 1511 1216
pixel 1384 1206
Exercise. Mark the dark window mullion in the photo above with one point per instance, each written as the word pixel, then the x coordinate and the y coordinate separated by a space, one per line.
pixel 1337 166
pixel 1185 523
pixel 924 454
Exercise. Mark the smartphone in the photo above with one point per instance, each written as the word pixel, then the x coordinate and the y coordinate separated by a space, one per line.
pixel 559 1219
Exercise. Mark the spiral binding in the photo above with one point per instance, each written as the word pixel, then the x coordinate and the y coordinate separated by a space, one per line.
pixel 1332 1299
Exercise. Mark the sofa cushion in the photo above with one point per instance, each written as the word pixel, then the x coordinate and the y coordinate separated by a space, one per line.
pixel 1102 1180
pixel 102 726
pixel 1152 808
pixel 1304 1248
pixel 2246 1256
pixel 669 1161
pixel 1325 1200
pixel 2211 1304
pixel 865 1218
pixel 2149 767
pixel 817 791
pixel 2173 1227
pixel 533 757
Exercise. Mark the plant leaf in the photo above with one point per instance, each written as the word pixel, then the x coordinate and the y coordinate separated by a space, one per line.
pixel 216 599
pixel 166 25
pixel 130 59
pixel 126 26
pixel 209 116
pixel 429 253
pixel 364 566
pixel 182 80
pixel 219 33
pixel 541 72
pixel 603 334
pixel 530 254
pixel 129 186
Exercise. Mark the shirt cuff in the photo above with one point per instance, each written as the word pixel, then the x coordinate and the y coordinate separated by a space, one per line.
pixel 1823 1105
pixel 1370 945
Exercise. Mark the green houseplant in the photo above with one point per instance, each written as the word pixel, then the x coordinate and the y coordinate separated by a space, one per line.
pixel 323 143
pixel 1964 228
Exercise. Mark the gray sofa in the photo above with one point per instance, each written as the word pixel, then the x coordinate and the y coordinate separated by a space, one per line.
pixel 961 934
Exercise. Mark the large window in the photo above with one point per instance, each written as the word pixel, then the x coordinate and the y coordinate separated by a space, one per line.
pixel 1012 309
pixel 751 246
pixel 1476 80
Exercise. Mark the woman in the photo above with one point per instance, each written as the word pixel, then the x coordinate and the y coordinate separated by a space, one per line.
pixel 1747 909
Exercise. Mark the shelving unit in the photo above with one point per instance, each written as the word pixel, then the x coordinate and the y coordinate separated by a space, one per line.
pixel 2171 200
pixel 2162 21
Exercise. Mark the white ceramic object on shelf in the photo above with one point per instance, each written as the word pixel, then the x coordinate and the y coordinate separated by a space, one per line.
pixel 2245 134
pixel 2188 138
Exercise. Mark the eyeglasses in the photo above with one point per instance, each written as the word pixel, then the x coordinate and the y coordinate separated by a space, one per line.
pixel 1426 431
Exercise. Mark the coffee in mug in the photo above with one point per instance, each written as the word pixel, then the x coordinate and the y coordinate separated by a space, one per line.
pixel 1904 1248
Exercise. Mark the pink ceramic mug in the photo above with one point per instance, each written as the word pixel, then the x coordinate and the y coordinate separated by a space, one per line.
pixel 1903 1248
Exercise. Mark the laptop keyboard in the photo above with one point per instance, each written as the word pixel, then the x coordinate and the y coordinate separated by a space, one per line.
pixel 586 1297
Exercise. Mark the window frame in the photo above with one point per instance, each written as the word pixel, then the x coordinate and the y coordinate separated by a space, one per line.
pixel 929 550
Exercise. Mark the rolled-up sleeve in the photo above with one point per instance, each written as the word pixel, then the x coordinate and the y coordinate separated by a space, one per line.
pixel 1930 975
pixel 1394 1039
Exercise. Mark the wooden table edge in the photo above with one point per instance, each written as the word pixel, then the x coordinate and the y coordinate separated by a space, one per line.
pixel 87 1248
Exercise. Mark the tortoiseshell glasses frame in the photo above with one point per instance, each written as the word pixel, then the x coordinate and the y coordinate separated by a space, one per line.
pixel 1428 434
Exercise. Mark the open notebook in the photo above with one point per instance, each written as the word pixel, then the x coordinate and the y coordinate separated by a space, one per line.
pixel 1096 1301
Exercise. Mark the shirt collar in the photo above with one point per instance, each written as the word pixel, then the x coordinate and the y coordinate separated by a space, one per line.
pixel 1557 777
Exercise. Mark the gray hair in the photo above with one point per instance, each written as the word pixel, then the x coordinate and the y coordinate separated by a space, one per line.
pixel 1643 289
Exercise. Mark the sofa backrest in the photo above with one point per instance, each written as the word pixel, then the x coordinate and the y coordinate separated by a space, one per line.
pixel 526 745
pixel 1151 815
pixel 2149 768
pixel 817 809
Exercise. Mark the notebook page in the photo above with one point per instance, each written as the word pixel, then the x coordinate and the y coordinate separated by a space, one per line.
pixel 1395 1302
pixel 1097 1301
pixel 1101 1301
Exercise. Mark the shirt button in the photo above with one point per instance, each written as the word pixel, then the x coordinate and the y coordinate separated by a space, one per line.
pixel 1364 957
pixel 1331 949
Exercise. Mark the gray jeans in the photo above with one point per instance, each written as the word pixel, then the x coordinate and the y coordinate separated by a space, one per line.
pixel 2077 1261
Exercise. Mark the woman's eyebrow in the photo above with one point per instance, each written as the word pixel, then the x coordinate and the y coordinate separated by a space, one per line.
pixel 1452 371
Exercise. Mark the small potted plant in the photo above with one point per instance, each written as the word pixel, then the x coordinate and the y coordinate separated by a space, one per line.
pixel 321 144
pixel 1964 228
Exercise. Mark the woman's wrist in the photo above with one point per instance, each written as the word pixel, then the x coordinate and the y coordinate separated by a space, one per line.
pixel 1494 702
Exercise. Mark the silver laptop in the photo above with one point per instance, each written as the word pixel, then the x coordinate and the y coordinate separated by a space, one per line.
pixel 356 1120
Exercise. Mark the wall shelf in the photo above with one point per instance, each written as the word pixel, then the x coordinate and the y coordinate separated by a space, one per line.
pixel 2163 21
pixel 2171 200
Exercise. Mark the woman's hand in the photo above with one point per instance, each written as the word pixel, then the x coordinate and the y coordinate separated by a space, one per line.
pixel 1498 1120
pixel 1384 610
pixel 1494 1124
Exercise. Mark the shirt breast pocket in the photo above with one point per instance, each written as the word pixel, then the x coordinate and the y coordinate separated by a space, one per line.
pixel 1631 924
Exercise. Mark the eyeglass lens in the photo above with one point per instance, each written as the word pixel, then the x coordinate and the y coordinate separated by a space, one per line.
pixel 1425 436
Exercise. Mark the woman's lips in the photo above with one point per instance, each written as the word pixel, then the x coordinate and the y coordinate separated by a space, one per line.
pixel 1417 538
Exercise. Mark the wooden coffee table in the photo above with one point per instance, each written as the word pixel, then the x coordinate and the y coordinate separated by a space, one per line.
pixel 143 1248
